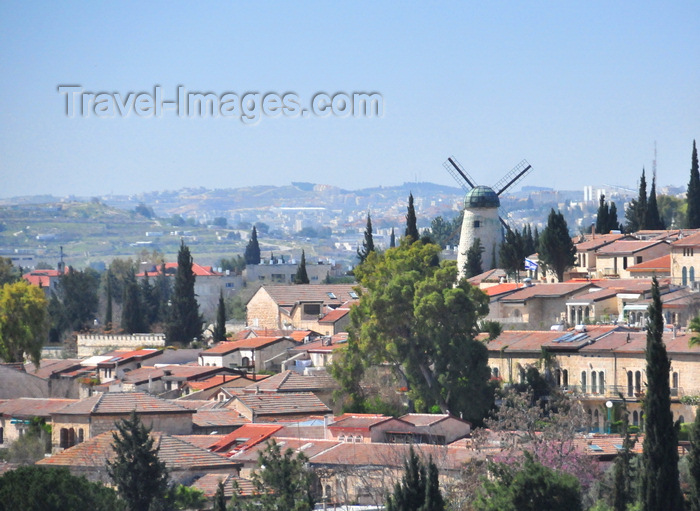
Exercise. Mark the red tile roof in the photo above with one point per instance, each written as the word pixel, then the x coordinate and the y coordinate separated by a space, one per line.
pixel 209 484
pixel 283 403
pixel 358 421
pixel 334 315
pixel 690 241
pixel 596 241
pixel 25 407
pixel 249 343
pixel 245 437
pixel 545 291
pixel 177 454
pixel 291 381
pixel 627 247
pixel 662 263
pixel 290 295
pixel 218 418
pixel 197 269
pixel 122 403
pixel 500 289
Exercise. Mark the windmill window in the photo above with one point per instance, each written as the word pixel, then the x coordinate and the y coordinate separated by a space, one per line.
pixel 477 223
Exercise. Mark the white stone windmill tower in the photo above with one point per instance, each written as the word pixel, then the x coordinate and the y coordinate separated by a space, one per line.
pixel 482 218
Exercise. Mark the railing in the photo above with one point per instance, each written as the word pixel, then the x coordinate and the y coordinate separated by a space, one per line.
pixel 614 391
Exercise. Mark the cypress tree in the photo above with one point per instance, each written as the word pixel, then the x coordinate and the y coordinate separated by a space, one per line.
pixel 556 249
pixel 419 489
pixel 411 222
pixel 613 224
pixel 694 463
pixel 652 219
pixel 368 242
pixel 108 312
pixel 301 276
pixel 252 250
pixel 184 321
pixel 219 333
pixel 660 487
pixel 133 318
pixel 220 498
pixel 163 286
pixel 392 240
pixel 637 210
pixel 693 195
pixel 512 253
pixel 140 477
pixel 473 264
pixel 622 472
pixel 602 223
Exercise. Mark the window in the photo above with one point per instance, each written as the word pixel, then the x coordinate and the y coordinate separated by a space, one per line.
pixel 341 438
pixel 583 381
pixel 684 276
pixel 594 382
pixel 565 377
pixel 81 436
pixel 494 372
pixel 229 284
pixel 477 224
pixel 312 309
pixel 624 263
pixel 635 418
pixel 639 259
pixel 2 436
pixel 630 384
pixel 681 419
pixel 245 362
pixel 691 274
pixel 638 382
pixel 601 382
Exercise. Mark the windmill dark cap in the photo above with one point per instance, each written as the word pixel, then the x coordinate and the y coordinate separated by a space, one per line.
pixel 481 197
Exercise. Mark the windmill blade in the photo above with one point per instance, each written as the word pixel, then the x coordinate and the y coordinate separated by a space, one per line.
pixel 521 170
pixel 502 215
pixel 456 170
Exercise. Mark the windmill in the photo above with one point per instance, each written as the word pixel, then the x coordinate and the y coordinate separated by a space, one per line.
pixel 481 210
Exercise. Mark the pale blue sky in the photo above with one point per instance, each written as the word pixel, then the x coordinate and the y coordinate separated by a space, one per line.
pixel 581 91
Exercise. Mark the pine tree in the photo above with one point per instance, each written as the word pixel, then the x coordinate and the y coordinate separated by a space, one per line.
pixel 139 476
pixel 301 276
pixel 150 302
pixel 556 249
pixel 252 250
pixel 693 195
pixel 108 312
pixel 411 222
pixel 367 243
pixel 184 321
pixel 652 219
pixel 512 253
pixel 220 327
pixel 473 264
pixel 660 487
pixel 694 463
pixel 637 210
pixel 133 319
pixel 392 240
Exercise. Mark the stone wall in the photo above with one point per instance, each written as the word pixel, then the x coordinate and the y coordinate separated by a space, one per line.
pixel 262 311
pixel 89 345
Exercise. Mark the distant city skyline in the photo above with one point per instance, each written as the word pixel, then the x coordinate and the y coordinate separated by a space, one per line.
pixel 582 91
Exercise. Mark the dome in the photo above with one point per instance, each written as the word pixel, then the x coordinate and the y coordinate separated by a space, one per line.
pixel 481 197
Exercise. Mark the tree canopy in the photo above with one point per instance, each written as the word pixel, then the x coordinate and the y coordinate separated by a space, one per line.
pixel 606 220
pixel 512 253
pixel 419 488
pixel 413 316
pixel 556 248
pixel 252 249
pixel 473 265
pixel 301 276
pixel 367 242
pixel 219 334
pixel 411 221
pixel 24 322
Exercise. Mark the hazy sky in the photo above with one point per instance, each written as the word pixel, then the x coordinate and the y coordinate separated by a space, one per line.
pixel 581 91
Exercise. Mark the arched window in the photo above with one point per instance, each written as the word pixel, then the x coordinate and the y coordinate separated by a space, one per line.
pixel 2 436
pixel 594 383
pixel 586 314
pixel 681 419
pixel 358 439
pixel 64 438
pixel 635 418
pixel 565 377
pixel 583 382
pixel 572 315
pixel 71 437
pixel 245 362
pixel 684 276
pixel 601 382
pixel 630 384
pixel 494 372
pixel 675 381
pixel 638 382
pixel 596 420
pixel 558 375
pixel 691 274
pixel 341 438
pixel 80 436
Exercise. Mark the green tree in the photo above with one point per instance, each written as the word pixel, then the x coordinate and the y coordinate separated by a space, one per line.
pixel 556 248
pixel 623 477
pixel 77 292
pixel 602 221
pixel 8 272
pixel 637 210
pixel 512 253
pixel 140 477
pixel 108 311
pixel 37 488
pixel 24 322
pixel 473 265
pixel 660 488
pixel 411 221
pixel 418 489
pixel 252 249
pixel 301 276
pixel 694 464
pixel 673 210
pixel 367 242
pixel 693 195
pixel 533 487
pixel 220 327
pixel 282 481
pixel 164 291
pixel 133 320
pixel 430 340
pixel 652 219
pixel 184 321
pixel 220 498
pixel 442 231
pixel 529 246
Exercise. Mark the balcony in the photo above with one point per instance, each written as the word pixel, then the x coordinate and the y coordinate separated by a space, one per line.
pixel 614 391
